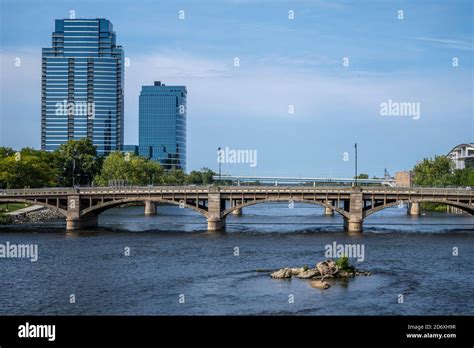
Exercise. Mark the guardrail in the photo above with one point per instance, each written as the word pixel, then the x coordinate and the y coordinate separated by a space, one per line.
pixel 38 191
pixel 58 191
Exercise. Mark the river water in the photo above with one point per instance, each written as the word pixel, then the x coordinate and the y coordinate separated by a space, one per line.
pixel 176 267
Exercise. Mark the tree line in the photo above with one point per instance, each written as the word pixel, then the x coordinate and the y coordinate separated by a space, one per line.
pixel 439 172
pixel 77 163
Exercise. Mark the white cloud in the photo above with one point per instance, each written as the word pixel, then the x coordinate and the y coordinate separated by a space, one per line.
pixel 449 43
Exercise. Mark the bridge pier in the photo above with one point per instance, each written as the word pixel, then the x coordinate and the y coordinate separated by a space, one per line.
pixel 216 205
pixel 414 209
pixel 353 225
pixel 150 208
pixel 355 204
pixel 215 224
pixel 79 223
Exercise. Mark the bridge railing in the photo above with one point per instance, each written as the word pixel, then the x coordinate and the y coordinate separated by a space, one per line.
pixel 58 191
pixel 38 191
pixel 423 190
pixel 142 189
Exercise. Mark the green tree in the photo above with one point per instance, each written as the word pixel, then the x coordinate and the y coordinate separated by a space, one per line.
pixel 78 159
pixel 207 176
pixel 363 176
pixel 6 152
pixel 200 177
pixel 433 172
pixel 194 177
pixel 26 168
pixel 132 169
pixel 174 177
pixel 463 177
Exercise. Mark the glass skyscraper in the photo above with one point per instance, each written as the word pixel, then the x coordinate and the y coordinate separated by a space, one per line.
pixel 162 125
pixel 82 85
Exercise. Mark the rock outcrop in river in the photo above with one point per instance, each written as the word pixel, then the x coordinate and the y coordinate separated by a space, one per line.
pixel 323 270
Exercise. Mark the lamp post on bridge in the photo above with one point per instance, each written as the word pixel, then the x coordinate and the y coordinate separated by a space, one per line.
pixel 355 147
pixel 219 159
pixel 74 172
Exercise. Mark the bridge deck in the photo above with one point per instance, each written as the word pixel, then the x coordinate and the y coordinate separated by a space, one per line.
pixel 233 189
pixel 81 206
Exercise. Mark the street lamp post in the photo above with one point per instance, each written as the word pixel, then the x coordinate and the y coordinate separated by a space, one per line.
pixel 355 147
pixel 73 171
pixel 219 159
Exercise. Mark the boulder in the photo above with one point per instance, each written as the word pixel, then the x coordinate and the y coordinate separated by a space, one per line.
pixel 310 273
pixel 283 273
pixel 346 274
pixel 363 273
pixel 331 263
pixel 319 284
pixel 296 271
pixel 327 268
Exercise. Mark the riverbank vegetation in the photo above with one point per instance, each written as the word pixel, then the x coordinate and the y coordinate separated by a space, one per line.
pixel 8 208
pixel 76 163
pixel 439 172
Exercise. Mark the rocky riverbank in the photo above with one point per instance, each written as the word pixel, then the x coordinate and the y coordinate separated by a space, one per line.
pixel 328 269
pixel 34 216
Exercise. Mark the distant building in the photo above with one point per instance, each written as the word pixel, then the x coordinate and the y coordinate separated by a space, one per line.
pixel 82 85
pixel 130 149
pixel 462 155
pixel 404 178
pixel 162 125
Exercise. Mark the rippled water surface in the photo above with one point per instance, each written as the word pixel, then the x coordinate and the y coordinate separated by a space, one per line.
pixel 173 254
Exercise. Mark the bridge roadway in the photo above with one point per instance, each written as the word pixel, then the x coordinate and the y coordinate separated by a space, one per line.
pixel 82 206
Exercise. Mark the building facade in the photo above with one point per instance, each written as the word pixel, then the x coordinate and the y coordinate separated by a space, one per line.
pixel 462 156
pixel 162 125
pixel 404 179
pixel 132 149
pixel 82 85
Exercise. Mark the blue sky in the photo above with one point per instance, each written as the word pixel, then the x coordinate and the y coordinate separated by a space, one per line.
pixel 282 62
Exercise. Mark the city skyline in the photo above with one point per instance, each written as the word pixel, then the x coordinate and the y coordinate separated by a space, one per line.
pixel 335 75
pixel 305 163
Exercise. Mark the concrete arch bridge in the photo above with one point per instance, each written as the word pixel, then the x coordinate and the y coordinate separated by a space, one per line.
pixel 82 206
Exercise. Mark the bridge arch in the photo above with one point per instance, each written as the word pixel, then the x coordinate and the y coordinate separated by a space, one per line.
pixel 100 208
pixel 341 211
pixel 32 202
pixel 463 206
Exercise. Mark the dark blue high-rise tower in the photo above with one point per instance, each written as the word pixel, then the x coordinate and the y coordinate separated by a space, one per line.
pixel 82 85
pixel 162 125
